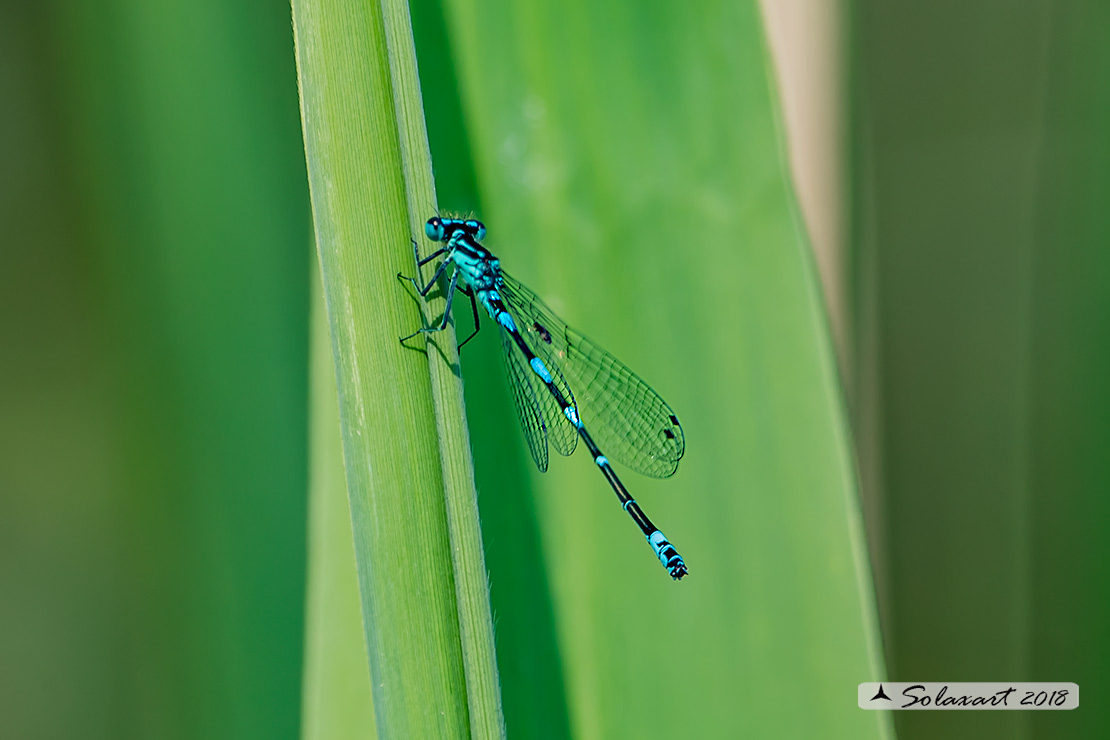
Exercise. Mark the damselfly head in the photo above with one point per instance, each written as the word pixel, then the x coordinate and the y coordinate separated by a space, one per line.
pixel 442 229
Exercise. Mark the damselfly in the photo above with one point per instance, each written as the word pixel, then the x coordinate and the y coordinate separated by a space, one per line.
pixel 553 368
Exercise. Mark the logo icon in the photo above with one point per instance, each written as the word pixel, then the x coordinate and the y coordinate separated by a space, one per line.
pixel 881 694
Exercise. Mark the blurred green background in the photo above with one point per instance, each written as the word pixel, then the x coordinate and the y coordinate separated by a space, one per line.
pixel 952 165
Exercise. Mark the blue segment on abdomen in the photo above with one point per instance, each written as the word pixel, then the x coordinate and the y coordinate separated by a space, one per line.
pixel 539 367
pixel 658 543
pixel 506 321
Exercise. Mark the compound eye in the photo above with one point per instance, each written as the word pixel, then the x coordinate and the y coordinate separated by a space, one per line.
pixel 434 229
pixel 477 228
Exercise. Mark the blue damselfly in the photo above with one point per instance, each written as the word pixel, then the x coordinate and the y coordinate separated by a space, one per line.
pixel 562 382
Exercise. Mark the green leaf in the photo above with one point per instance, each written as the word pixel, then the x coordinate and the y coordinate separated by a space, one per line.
pixel 629 164
pixel 410 481
pixel 337 701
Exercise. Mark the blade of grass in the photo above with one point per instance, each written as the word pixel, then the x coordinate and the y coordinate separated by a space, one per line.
pixel 336 700
pixel 461 496
pixel 405 443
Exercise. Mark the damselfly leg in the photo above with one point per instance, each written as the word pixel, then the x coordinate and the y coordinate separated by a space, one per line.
pixel 465 289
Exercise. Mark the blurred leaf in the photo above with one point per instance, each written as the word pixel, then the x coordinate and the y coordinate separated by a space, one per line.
pixel 1069 426
pixel 949 163
pixel 629 165
pixel 61 428
pixel 981 275
pixel 182 125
